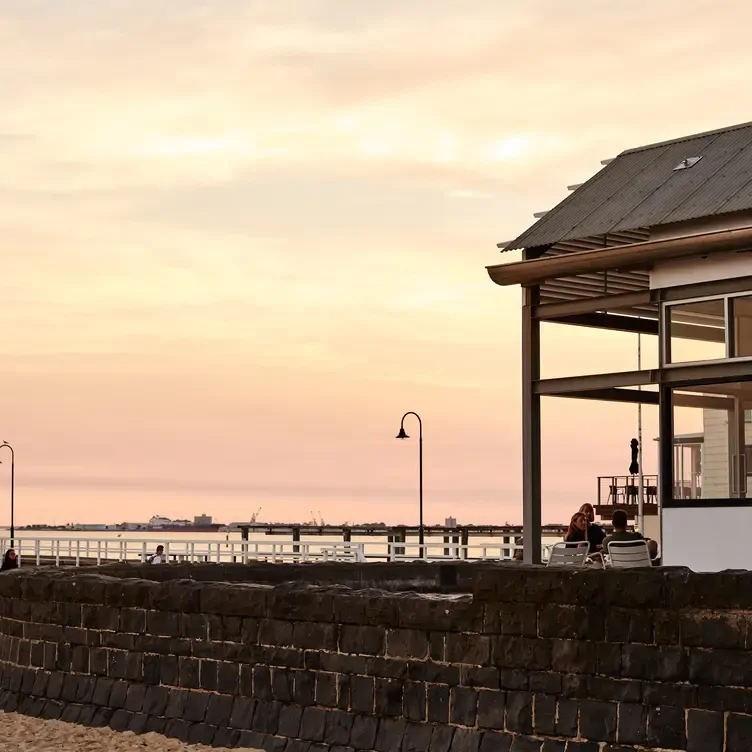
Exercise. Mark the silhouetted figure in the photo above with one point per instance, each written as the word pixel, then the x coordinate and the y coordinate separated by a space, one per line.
pixel 10 561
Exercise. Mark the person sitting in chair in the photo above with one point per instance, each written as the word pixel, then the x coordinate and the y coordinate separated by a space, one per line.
pixel 619 521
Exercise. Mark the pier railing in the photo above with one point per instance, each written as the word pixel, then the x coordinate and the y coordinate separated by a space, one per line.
pixel 92 552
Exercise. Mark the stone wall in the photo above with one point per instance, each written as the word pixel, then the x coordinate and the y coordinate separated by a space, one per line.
pixel 533 660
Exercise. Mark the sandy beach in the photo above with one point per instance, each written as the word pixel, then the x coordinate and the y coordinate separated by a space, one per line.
pixel 24 734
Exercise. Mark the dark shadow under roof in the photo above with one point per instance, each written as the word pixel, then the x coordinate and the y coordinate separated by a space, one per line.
pixel 641 188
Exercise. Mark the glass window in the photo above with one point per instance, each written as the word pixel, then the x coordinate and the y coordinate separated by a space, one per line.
pixel 741 317
pixel 696 331
pixel 712 436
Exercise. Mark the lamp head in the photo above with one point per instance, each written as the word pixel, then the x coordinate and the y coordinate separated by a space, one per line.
pixel 402 434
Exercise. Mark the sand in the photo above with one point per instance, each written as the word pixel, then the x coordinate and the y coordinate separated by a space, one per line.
pixel 21 733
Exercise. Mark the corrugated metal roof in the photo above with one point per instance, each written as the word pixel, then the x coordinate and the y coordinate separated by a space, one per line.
pixel 641 189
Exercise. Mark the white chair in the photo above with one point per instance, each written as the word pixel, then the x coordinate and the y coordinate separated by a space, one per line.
pixel 569 554
pixel 628 554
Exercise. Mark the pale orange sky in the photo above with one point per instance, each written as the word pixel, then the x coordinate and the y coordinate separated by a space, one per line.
pixel 240 239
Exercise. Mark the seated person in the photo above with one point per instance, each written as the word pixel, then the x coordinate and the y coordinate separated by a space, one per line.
pixel 595 533
pixel 577 530
pixel 620 533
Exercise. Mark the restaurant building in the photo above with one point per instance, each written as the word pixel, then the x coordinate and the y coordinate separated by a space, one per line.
pixel 659 242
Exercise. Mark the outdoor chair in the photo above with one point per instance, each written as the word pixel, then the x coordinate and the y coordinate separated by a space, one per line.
pixel 569 554
pixel 628 554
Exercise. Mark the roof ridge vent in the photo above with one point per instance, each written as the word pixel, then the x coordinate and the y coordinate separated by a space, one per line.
pixel 685 164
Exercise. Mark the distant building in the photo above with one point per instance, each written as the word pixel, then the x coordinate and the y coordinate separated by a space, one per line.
pixel 450 522
pixel 202 520
pixel 158 521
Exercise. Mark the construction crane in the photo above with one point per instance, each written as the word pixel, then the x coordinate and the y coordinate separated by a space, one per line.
pixel 255 515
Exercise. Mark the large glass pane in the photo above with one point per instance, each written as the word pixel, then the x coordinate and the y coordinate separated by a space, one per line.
pixel 741 313
pixel 712 441
pixel 696 331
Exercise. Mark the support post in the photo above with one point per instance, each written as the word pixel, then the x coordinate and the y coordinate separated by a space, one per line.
pixel 665 452
pixel 531 429
pixel 296 540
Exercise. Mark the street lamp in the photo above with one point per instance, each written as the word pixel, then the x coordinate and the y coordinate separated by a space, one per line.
pixel 12 488
pixel 403 435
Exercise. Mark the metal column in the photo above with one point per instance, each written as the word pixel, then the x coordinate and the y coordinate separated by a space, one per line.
pixel 531 429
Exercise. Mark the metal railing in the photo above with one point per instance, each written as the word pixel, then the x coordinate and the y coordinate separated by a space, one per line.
pixel 623 489
pixel 92 552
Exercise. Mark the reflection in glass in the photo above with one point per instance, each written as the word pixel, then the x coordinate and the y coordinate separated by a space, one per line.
pixel 712 441
pixel 696 331
pixel 741 314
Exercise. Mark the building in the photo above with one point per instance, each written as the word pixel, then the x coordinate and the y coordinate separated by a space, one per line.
pixel 658 242
pixel 202 520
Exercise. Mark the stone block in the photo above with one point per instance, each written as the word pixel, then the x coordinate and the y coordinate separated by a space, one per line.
pixel 518 619
pixel 304 688
pixel 155 700
pixel 512 678
pixel 491 709
pixel 720 667
pixel 364 730
pixel 521 653
pixel 571 622
pixel 232 629
pixel 326 689
pixel 36 656
pixel 407 643
pixel 417 737
pixel 168 672
pixel 245 687
pixel 544 682
pixel 567 718
pixel 463 706
pixel 433 673
pixel 262 683
pixel 663 663
pixel 738 732
pixel 553 745
pixel 314 636
pixel 441 738
pixel 219 710
pixel 177 728
pixel 573 656
pixel 133 620
pixel 175 703
pixel 118 695
pixel 282 684
pixel 338 727
pixel 519 712
pixel 437 646
pixel 250 740
pixel 667 693
pixel 194 709
pixel 188 673
pixel 666 728
pixel 486 677
pixel 164 623
pixel 156 724
pixel 525 744
pixel 628 625
pixel 275 632
pixel 134 699
pixel 496 741
pixel 313 724
pixel 242 713
pixel 617 690
pixel 465 740
pixel 120 720
pixel 609 658
pixel 544 714
pixel 101 717
pixel 50 656
pixel 583 747
pixel 63 662
pixel 39 687
pixel 437 703
pixel 363 640
pixel 388 697
pixel 633 720
pixel 598 720
pixel 471 649
pixel 414 701
pixel 713 630
pixel 705 731
pixel 343 691
pixel 226 737
pixel 71 713
pixel 294 745
pixel 362 694
pixel 266 717
pixel 249 631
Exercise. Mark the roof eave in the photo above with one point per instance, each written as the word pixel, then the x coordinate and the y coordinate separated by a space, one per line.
pixel 634 256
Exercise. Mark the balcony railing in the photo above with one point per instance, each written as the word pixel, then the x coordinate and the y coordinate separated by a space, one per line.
pixel 623 490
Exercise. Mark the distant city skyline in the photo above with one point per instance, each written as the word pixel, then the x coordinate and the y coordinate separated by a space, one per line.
pixel 241 239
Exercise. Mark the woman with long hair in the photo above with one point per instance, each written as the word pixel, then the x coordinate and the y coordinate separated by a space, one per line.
pixel 577 530
pixel 595 533
pixel 10 561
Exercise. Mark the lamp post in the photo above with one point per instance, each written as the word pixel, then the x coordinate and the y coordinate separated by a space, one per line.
pixel 403 435
pixel 12 489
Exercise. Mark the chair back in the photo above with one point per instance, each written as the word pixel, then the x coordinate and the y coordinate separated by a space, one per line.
pixel 569 554
pixel 628 554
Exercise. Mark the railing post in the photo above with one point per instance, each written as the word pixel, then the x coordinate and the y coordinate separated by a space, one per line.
pixel 143 552
pixel 78 552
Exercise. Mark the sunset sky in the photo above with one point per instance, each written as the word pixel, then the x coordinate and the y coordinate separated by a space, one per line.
pixel 241 238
